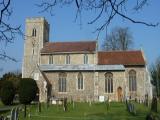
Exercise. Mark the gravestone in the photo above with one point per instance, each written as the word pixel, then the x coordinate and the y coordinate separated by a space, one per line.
pixel 101 98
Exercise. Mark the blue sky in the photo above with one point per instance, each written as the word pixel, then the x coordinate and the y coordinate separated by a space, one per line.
pixel 63 28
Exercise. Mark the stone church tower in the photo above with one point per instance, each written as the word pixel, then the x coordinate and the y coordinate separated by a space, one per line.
pixel 36 34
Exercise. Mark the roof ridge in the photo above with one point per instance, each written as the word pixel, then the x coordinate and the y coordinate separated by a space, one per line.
pixel 71 41
pixel 122 51
pixel 69 46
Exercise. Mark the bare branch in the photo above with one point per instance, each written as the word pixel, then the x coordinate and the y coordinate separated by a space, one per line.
pixel 4 57
pixel 4 9
pixel 140 4
pixel 77 4
pixel 106 9
pixel 7 32
pixel 130 19
pixel 99 15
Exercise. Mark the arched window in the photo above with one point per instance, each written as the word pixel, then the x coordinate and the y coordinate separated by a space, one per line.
pixel 80 81
pixel 67 59
pixel 85 59
pixel 62 82
pixel 132 81
pixel 34 32
pixel 109 83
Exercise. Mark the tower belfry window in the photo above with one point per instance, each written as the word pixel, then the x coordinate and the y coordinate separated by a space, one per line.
pixel 34 32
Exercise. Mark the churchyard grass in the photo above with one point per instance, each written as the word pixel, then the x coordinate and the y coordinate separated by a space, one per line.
pixel 85 111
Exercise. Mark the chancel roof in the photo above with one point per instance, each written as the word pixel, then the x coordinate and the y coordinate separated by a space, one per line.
pixel 121 57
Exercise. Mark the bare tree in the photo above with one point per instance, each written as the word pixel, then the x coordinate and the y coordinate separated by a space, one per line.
pixel 7 31
pixel 155 74
pixel 119 39
pixel 107 9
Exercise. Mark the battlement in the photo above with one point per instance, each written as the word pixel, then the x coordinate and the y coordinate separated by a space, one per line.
pixel 36 19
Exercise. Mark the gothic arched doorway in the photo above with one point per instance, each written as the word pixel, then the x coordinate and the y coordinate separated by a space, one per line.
pixel 119 94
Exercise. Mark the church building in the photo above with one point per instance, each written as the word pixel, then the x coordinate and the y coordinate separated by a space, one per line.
pixel 78 71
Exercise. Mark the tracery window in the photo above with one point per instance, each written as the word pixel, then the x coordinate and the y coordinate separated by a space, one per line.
pixel 62 82
pixel 109 83
pixel 80 81
pixel 132 81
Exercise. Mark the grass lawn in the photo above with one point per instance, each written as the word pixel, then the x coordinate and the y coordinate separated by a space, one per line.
pixel 83 111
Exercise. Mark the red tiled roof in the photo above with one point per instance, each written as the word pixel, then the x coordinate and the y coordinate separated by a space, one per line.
pixel 121 57
pixel 81 46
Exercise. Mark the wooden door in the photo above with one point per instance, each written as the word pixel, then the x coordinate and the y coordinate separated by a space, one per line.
pixel 119 93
